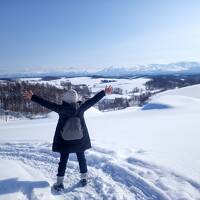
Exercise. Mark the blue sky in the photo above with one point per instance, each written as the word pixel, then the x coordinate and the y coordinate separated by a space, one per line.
pixel 54 35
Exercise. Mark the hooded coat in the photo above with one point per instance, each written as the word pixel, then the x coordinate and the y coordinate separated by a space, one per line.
pixel 66 110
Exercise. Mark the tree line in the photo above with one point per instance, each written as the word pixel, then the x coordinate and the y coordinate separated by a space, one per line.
pixel 166 82
pixel 11 99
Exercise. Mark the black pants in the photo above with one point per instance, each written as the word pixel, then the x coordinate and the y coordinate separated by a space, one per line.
pixel 63 163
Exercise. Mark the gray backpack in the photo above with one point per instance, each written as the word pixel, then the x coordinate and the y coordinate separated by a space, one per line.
pixel 72 129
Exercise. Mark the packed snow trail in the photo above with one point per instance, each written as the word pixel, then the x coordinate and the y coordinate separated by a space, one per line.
pixel 110 176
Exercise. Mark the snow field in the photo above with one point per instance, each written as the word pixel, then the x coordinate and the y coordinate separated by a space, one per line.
pixel 149 153
pixel 110 176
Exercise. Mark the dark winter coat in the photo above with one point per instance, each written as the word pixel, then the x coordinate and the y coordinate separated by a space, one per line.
pixel 66 110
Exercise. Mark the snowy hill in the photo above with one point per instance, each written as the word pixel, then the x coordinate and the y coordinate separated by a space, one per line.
pixel 96 84
pixel 149 153
pixel 187 98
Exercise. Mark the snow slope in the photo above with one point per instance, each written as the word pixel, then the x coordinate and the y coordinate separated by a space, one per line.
pixel 138 153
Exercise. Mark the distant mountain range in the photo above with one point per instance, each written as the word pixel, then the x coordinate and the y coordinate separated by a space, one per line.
pixel 152 69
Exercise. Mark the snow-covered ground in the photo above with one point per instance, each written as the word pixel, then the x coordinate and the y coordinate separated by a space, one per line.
pixel 149 153
pixel 124 84
pixel 95 84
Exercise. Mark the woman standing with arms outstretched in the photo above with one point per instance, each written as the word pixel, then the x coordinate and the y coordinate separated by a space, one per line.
pixel 70 108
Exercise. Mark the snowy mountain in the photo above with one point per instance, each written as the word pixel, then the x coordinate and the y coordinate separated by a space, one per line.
pixel 152 69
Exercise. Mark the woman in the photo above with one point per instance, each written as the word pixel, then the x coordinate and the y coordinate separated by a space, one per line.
pixel 70 107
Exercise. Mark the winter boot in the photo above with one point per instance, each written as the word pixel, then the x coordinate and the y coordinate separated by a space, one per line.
pixel 58 186
pixel 83 179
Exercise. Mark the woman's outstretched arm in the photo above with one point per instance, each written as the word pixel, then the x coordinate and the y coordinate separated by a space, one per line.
pixel 90 102
pixel 47 104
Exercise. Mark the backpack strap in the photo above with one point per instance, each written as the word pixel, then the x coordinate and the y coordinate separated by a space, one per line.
pixel 77 111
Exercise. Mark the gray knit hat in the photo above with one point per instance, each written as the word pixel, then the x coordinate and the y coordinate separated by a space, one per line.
pixel 71 96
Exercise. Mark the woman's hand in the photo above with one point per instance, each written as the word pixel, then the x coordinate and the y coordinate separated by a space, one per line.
pixel 108 89
pixel 28 95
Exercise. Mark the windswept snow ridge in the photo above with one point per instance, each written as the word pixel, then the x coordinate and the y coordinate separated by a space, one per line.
pixel 110 176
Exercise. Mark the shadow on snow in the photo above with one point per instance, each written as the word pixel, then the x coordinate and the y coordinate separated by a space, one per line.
pixel 158 106
pixel 13 185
